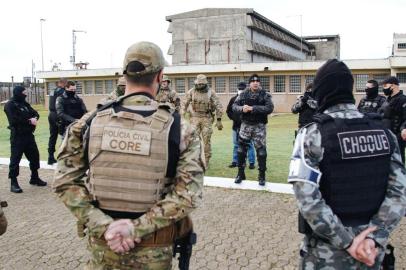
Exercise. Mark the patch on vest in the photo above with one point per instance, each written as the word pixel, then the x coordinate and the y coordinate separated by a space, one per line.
pixel 361 144
pixel 129 141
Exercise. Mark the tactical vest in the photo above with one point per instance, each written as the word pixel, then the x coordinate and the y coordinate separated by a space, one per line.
pixel 248 99
pixel 393 112
pixel 73 107
pixel 355 166
pixel 53 95
pixel 371 105
pixel 128 157
pixel 201 101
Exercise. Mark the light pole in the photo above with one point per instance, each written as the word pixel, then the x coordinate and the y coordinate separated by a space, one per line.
pixel 42 45
pixel 73 58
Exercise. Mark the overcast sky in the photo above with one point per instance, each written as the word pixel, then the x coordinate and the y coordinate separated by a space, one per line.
pixel 366 27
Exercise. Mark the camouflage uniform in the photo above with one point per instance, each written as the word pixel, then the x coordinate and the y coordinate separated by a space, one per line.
pixel 116 93
pixel 316 254
pixel 3 220
pixel 165 94
pixel 202 121
pixel 182 198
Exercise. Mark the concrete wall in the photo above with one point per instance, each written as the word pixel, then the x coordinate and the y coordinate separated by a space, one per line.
pixel 399 38
pixel 327 49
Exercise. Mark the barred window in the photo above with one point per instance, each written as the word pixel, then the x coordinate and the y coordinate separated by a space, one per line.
pixel 380 78
pixel 191 82
pixel 265 82
pixel 88 87
pixel 109 86
pixel 279 84
pixel 309 79
pixel 295 84
pixel 401 45
pixel 220 83
pixel 360 81
pixel 99 87
pixel 233 83
pixel 180 85
pixel 79 87
pixel 401 77
pixel 209 81
pixel 51 86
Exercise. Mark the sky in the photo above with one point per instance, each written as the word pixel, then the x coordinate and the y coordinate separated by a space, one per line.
pixel 365 27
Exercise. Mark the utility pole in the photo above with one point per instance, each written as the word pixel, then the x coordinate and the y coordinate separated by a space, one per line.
pixel 73 57
pixel 42 44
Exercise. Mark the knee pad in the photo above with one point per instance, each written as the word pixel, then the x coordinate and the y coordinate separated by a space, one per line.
pixel 261 152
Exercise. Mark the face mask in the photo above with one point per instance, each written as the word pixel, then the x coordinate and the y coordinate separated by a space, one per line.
pixel 387 91
pixel 371 91
pixel 70 93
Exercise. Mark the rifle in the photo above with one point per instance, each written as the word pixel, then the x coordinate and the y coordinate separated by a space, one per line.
pixel 184 247
pixel 389 259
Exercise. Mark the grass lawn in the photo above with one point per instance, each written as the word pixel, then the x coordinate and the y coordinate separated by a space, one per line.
pixel 279 143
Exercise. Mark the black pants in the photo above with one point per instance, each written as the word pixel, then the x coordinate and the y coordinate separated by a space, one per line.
pixel 402 145
pixel 23 144
pixel 53 133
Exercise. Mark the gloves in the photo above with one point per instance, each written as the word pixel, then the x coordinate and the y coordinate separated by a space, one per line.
pixel 219 125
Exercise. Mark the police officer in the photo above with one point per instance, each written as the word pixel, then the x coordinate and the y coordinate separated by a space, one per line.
pixel 372 102
pixel 69 107
pixel 52 119
pixel 166 94
pixel 115 94
pixel 236 118
pixel 22 119
pixel 254 105
pixel 145 171
pixel 204 105
pixel 348 179
pixel 394 111
pixel 3 220
pixel 305 106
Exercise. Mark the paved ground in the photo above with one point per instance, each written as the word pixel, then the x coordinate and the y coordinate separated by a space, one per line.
pixel 237 230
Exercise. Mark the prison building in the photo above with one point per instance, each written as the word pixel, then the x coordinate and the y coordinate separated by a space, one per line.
pixel 213 36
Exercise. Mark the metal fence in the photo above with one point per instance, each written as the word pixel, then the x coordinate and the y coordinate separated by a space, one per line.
pixel 35 95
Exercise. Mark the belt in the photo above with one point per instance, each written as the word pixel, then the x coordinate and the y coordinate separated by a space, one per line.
pixel 161 238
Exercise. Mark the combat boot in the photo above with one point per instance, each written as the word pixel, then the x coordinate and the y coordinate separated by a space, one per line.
pixel 261 178
pixel 240 176
pixel 15 187
pixel 36 181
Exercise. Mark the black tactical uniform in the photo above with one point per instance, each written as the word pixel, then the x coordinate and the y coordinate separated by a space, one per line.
pixel 253 127
pixel 394 117
pixel 305 106
pixel 372 102
pixel 53 125
pixel 22 139
pixel 69 108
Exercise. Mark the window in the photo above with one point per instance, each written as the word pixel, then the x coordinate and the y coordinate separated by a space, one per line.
pixel 279 84
pixel 180 85
pixel 233 83
pixel 108 84
pixel 88 87
pixel 360 81
pixel 51 86
pixel 220 83
pixel 98 87
pixel 401 45
pixel 79 87
pixel 401 77
pixel 209 81
pixel 265 82
pixel 380 78
pixel 191 82
pixel 309 79
pixel 295 84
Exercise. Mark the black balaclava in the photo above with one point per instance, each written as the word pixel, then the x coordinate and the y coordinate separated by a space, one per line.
pixel 18 94
pixel 333 85
pixel 70 93
pixel 372 92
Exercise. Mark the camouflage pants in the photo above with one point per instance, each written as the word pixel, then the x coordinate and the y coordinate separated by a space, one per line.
pixel 256 133
pixel 141 258
pixel 323 256
pixel 203 126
